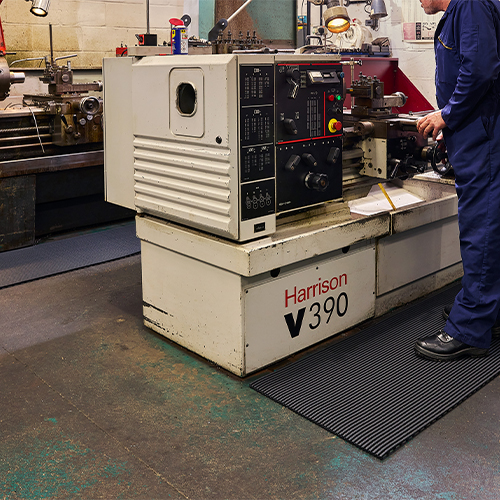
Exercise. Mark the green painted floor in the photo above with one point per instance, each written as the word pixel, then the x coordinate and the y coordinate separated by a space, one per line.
pixel 95 405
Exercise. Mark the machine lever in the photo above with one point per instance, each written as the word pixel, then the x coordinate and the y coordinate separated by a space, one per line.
pixel 333 155
pixel 290 126
pixel 294 88
pixel 394 163
pixel 292 163
pixel 309 160
pixel 293 79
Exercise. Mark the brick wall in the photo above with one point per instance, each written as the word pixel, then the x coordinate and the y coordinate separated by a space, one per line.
pixel 91 29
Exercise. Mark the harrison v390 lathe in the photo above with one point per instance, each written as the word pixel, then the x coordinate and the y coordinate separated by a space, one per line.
pixel 241 167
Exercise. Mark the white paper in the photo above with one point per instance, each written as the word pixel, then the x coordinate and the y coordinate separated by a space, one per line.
pixel 376 202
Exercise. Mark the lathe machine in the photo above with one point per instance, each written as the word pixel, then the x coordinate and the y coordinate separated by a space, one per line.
pixel 51 151
pixel 240 168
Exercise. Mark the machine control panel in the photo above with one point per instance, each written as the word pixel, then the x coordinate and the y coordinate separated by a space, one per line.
pixel 308 134
pixel 290 136
pixel 257 160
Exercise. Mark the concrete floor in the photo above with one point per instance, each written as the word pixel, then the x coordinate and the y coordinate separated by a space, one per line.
pixel 94 405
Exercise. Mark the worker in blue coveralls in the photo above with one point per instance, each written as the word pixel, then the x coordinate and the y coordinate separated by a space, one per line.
pixel 467 50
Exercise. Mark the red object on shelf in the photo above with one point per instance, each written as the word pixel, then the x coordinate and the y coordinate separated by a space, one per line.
pixel 176 22
pixel 387 70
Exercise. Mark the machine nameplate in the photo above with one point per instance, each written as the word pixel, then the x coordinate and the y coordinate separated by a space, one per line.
pixel 298 309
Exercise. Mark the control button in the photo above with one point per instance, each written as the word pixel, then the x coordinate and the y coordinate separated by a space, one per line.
pixel 334 125
pixel 331 98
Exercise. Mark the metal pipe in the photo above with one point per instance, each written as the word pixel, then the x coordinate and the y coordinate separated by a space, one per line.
pixel 20 130
pixel 147 16
pixel 234 14
pixel 51 46
pixel 350 154
pixel 28 59
pixel 65 57
pixel 308 23
pixel 30 137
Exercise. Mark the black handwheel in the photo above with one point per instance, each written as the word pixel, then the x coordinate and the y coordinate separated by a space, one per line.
pixel 439 159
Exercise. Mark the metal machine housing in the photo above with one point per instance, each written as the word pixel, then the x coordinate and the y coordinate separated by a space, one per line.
pixel 223 143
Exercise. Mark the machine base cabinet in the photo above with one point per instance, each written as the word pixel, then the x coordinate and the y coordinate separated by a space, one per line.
pixel 245 306
pixel 303 306
pixel 244 324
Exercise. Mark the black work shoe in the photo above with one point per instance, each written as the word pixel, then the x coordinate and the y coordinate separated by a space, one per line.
pixel 442 347
pixel 495 331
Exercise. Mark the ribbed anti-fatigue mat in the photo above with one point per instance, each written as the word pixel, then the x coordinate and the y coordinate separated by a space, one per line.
pixel 372 389
pixel 60 256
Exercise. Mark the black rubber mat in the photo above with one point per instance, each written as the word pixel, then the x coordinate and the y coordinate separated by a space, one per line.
pixel 63 255
pixel 372 389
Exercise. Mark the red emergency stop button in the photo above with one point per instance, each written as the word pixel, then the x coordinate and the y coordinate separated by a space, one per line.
pixel 331 98
pixel 334 125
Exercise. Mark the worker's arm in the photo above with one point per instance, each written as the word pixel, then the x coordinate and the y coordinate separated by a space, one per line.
pixel 478 58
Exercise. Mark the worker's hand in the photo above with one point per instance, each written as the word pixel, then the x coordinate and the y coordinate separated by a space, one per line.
pixel 433 123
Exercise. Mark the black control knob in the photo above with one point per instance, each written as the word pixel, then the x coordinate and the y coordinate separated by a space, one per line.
pixel 292 163
pixel 293 73
pixel 309 160
pixel 316 182
pixel 290 126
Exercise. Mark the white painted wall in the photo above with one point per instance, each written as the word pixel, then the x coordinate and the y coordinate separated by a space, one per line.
pixel 415 59
pixel 90 28
pixel 94 28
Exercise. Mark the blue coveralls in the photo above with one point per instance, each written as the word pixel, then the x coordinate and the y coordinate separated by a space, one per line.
pixel 467 48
